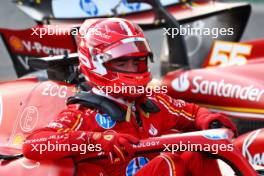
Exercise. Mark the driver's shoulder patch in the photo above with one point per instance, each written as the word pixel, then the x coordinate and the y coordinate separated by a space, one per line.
pixel 105 121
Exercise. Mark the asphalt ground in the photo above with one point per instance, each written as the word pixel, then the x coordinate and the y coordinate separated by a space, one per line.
pixel 12 17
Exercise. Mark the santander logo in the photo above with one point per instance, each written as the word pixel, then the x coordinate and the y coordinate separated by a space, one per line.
pixel 181 84
pixel 219 88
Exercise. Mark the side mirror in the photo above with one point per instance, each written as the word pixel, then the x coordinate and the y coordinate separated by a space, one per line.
pixel 59 68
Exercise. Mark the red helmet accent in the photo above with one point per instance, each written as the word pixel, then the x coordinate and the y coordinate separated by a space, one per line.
pixel 101 41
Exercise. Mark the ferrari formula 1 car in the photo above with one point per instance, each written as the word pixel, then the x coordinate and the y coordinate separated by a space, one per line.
pixel 214 46
pixel 207 71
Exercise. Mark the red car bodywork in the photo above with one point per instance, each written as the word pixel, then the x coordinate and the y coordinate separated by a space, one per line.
pixel 28 104
pixel 237 91
pixel 251 145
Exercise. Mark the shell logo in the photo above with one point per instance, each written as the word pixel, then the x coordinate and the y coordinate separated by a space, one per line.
pixel 18 139
pixel 16 43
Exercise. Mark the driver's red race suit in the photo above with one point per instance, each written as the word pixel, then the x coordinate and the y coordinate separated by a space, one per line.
pixel 80 125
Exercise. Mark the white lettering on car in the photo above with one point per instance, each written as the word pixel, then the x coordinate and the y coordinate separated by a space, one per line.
pixel 221 88
pixel 29 118
pixel 258 158
pixel 227 90
pixel 54 90
pixel 39 47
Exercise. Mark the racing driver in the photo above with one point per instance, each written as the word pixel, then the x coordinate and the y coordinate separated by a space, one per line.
pixel 114 52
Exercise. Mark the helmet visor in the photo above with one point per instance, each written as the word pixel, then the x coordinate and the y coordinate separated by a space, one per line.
pixel 127 47
pixel 128 64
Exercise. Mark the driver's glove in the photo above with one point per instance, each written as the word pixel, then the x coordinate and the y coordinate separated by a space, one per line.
pixel 113 143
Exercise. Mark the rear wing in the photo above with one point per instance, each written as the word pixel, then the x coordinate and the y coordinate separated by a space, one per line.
pixel 46 10
pixel 24 44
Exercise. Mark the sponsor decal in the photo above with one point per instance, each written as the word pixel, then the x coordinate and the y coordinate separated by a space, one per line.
pixel 217 88
pixel 18 139
pixel 55 125
pixel 23 60
pixel 229 53
pixel 181 84
pixel 65 119
pixel 16 43
pixel 89 7
pixel 40 48
pixel 104 121
pixel 256 159
pixel 54 90
pixel 57 136
pixel 146 144
pixel 152 130
pixel 135 164
pixel 96 135
pixel 132 6
pixel 108 137
pixel 29 118
pixel 177 102
pixel 1 109
pixel 82 137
